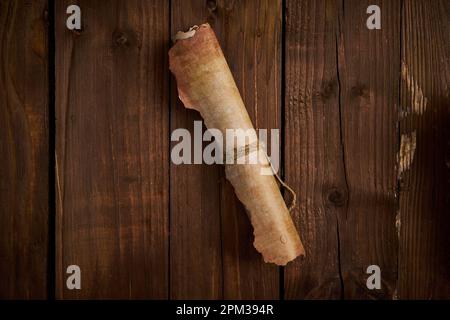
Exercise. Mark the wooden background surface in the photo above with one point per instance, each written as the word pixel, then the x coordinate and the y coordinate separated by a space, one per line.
pixel 86 177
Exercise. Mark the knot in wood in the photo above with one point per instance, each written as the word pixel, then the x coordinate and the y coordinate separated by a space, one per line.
pixel 360 90
pixel 337 197
pixel 120 38
pixel 211 5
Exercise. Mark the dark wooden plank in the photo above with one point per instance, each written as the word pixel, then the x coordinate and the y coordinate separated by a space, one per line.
pixel 256 66
pixel 424 220
pixel 369 77
pixel 112 174
pixel 313 155
pixel 341 109
pixel 212 254
pixel 195 243
pixel 23 149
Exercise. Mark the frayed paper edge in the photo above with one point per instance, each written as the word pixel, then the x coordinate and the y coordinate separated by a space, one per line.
pixel 185 35
pixel 182 35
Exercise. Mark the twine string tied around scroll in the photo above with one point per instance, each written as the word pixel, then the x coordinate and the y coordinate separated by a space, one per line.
pixel 244 151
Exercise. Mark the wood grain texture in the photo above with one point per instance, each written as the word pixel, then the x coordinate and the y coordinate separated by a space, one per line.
pixel 212 253
pixel 366 148
pixel 341 109
pixel 424 220
pixel 23 150
pixel 112 167
pixel 313 153
pixel 369 62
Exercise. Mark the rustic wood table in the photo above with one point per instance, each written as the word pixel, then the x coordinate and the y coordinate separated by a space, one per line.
pixel 85 171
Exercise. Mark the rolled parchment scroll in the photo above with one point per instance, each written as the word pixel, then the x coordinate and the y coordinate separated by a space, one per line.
pixel 205 83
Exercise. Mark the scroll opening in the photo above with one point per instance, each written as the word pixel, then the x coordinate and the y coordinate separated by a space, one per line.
pixel 182 35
